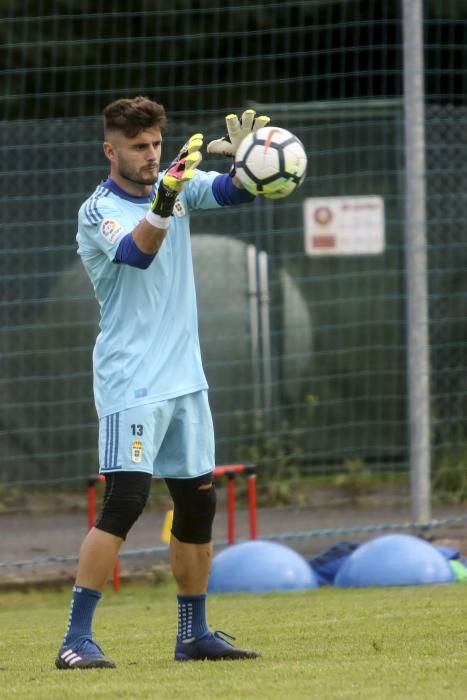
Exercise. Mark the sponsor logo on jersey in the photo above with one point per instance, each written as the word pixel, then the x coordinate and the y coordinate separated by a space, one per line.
pixel 111 230
pixel 137 451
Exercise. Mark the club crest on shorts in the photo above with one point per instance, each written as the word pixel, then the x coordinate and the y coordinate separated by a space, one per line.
pixel 137 451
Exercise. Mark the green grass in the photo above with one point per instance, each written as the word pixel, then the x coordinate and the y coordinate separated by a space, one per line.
pixel 381 644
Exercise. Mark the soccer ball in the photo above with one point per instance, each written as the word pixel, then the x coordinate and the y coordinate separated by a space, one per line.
pixel 271 162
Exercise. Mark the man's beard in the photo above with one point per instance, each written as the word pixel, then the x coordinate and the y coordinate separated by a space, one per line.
pixel 136 178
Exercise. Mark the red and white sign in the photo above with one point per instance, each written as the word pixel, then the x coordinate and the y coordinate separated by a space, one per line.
pixel 344 225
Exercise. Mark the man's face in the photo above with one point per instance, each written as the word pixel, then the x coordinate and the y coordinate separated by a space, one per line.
pixel 134 161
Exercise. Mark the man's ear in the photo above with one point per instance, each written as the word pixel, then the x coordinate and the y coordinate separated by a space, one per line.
pixel 109 150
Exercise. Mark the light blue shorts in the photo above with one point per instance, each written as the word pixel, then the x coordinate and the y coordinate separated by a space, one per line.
pixel 173 438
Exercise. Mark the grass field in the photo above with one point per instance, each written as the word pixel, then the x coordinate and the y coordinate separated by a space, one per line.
pixel 380 644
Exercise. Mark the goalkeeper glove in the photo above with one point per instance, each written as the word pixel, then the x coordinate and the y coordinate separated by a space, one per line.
pixel 237 129
pixel 194 144
pixel 181 170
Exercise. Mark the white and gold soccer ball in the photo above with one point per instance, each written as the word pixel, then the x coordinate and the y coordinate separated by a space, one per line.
pixel 271 162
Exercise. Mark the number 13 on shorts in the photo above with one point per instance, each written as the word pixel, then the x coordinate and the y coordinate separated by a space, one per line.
pixel 172 438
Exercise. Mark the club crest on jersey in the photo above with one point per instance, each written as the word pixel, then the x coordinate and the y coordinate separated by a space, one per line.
pixel 179 209
pixel 137 451
pixel 111 229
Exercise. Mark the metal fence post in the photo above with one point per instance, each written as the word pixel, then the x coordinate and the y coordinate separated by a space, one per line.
pixel 416 262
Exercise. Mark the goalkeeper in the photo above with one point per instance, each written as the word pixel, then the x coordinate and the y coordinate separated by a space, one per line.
pixel 149 386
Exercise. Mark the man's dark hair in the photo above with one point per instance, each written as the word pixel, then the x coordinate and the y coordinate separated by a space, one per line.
pixel 130 116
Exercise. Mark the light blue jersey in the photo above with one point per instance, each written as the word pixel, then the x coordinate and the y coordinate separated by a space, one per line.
pixel 148 347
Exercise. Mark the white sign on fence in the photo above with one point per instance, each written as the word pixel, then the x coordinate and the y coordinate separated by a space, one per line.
pixel 344 225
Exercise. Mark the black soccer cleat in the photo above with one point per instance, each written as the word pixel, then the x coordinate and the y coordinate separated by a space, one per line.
pixel 211 647
pixel 84 653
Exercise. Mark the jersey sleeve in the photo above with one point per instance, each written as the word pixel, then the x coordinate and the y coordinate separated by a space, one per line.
pixel 198 192
pixel 101 227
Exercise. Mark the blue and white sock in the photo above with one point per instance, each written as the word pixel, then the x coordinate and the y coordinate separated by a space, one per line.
pixel 191 617
pixel 83 605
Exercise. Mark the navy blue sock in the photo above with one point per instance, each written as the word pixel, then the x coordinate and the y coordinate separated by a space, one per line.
pixel 191 616
pixel 83 605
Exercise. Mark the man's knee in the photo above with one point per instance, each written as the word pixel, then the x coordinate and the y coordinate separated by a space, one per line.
pixel 126 494
pixel 194 508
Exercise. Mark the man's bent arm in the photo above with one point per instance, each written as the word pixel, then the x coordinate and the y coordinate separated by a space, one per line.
pixel 139 248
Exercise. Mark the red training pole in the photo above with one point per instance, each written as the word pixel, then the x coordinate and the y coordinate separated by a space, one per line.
pixel 231 507
pixel 91 502
pixel 116 576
